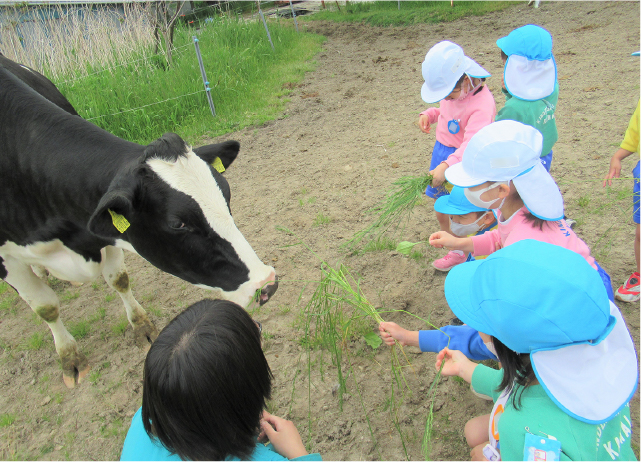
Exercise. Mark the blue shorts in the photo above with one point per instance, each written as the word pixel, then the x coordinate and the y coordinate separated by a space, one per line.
pixel 439 154
pixel 547 161
pixel 607 282
pixel 635 196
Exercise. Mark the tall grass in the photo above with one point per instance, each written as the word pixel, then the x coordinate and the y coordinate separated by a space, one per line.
pixel 388 13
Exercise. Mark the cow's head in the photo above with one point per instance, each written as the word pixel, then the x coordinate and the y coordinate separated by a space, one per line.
pixel 177 207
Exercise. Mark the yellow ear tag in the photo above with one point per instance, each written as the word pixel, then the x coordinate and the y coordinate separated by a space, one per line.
pixel 218 165
pixel 119 221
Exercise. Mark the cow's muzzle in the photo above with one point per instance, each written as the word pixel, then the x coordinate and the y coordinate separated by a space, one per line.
pixel 267 291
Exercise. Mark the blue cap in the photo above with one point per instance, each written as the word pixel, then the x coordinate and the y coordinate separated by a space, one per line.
pixel 532 42
pixel 636 53
pixel 530 295
pixel 548 301
pixel 456 203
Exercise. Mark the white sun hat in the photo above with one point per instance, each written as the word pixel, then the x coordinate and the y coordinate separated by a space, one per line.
pixel 444 65
pixel 508 150
pixel 530 70
pixel 547 301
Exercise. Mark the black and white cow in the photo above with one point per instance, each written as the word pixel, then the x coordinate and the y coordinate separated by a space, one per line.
pixel 64 186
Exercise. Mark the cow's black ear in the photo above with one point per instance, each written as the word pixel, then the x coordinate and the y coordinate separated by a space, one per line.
pixel 109 220
pixel 226 152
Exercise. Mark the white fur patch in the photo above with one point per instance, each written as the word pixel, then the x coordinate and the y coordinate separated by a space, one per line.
pixel 191 176
pixel 62 262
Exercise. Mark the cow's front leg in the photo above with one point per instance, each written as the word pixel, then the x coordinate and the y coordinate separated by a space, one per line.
pixel 44 301
pixel 116 276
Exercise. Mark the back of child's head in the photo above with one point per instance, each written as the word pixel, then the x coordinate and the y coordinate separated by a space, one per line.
pixel 205 383
pixel 530 69
pixel 444 66
pixel 509 151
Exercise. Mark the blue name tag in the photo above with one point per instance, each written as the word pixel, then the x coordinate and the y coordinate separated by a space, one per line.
pixel 453 126
pixel 541 448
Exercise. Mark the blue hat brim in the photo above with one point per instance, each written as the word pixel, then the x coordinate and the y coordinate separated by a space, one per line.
pixel 444 205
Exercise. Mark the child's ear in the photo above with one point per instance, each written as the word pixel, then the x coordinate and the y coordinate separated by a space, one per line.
pixel 488 219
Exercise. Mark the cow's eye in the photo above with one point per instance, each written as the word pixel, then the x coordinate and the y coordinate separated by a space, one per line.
pixel 178 225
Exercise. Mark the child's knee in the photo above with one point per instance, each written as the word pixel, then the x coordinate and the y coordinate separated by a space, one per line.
pixel 476 430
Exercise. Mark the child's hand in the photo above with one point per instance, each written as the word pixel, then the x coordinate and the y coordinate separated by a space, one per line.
pixel 614 172
pixel 456 363
pixel 441 239
pixel 438 174
pixel 391 332
pixel 424 123
pixel 283 435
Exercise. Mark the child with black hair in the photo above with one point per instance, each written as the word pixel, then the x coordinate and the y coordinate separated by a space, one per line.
pixel 569 367
pixel 205 384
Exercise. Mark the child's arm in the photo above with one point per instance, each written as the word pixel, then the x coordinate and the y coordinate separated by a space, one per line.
pixel 428 118
pixel 455 364
pixel 441 239
pixel 615 165
pixel 461 338
pixel 392 333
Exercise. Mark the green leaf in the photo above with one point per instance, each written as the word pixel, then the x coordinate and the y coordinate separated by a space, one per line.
pixel 405 247
pixel 373 340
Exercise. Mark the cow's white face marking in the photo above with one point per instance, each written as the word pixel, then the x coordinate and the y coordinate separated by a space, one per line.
pixel 62 262
pixel 191 175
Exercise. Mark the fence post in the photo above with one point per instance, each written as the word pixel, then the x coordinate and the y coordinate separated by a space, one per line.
pixel 260 11
pixel 293 14
pixel 204 76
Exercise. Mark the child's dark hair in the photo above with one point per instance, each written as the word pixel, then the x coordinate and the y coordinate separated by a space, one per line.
pixel 503 56
pixel 517 370
pixel 205 383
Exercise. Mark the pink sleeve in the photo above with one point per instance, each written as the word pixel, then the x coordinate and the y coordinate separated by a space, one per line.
pixel 478 119
pixel 486 243
pixel 432 113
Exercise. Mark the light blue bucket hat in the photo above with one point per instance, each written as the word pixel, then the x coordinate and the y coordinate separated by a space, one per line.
pixel 455 203
pixel 530 71
pixel 547 301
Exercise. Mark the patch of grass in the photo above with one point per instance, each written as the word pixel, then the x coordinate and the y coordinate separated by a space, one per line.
pixel 7 419
pixel 109 297
pixel 382 243
pixel 583 201
pixel 4 287
pixel 153 309
pixel 386 13
pixel 35 342
pixel 321 220
pixel 121 326
pixel 99 315
pixel 95 285
pixel 79 329
pixel 9 303
pixel 115 428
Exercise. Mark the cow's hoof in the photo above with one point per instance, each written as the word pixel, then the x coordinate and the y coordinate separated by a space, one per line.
pixel 74 369
pixel 145 334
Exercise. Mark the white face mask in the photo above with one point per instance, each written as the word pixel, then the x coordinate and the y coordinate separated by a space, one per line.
pixel 490 346
pixel 465 230
pixel 475 196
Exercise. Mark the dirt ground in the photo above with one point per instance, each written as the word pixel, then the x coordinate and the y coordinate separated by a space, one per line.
pixel 349 130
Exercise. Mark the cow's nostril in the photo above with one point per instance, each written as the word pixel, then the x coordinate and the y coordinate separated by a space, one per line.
pixel 269 290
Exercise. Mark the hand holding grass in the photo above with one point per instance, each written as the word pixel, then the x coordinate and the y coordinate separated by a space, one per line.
pixel 438 174
pixel 392 333
pixel 442 239
pixel 283 435
pixel 456 363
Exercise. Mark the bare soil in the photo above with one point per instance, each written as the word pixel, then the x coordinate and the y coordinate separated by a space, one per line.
pixel 349 131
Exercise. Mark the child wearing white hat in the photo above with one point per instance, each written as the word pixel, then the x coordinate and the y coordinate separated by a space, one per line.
pixel 530 83
pixel 569 367
pixel 465 106
pixel 501 170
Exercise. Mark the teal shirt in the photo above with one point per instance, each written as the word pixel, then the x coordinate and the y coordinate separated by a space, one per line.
pixel 538 114
pixel 579 440
pixel 139 446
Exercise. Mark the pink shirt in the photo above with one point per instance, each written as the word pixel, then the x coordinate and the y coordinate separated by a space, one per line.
pixel 517 229
pixel 472 113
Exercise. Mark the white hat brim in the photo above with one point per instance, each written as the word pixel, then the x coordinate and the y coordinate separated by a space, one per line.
pixel 473 69
pixel 539 193
pixel 430 96
pixel 457 176
pixel 591 382
pixel 529 79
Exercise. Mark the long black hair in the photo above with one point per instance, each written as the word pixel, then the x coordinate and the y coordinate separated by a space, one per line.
pixel 205 383
pixel 517 370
